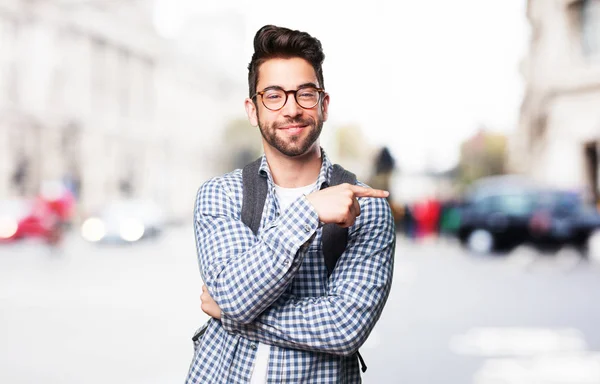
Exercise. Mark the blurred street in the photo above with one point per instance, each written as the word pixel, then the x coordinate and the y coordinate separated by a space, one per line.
pixel 106 314
pixel 480 118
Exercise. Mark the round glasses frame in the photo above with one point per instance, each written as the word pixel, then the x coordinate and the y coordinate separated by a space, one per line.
pixel 295 92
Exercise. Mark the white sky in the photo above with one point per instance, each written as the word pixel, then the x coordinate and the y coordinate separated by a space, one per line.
pixel 418 76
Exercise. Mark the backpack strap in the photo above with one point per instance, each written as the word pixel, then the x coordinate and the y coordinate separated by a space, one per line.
pixel 255 194
pixel 335 238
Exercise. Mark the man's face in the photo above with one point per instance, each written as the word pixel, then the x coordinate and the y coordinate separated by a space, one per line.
pixel 292 130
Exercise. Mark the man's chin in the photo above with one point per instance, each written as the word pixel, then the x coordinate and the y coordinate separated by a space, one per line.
pixel 291 152
pixel 295 151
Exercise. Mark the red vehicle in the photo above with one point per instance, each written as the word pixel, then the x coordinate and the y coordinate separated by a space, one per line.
pixel 37 218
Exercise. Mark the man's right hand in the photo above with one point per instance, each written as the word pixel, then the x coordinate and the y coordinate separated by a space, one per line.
pixel 339 204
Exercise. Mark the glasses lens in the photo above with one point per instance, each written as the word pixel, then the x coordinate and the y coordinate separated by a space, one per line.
pixel 273 98
pixel 307 97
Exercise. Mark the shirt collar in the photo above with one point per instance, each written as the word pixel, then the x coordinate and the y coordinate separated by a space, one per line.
pixel 324 174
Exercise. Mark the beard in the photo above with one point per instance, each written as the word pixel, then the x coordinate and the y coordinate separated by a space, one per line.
pixel 293 145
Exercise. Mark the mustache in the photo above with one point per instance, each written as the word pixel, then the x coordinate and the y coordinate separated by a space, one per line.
pixel 294 121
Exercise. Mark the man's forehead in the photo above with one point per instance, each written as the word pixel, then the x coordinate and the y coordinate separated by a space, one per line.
pixel 286 73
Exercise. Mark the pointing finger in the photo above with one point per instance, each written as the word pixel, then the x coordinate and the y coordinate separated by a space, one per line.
pixel 368 192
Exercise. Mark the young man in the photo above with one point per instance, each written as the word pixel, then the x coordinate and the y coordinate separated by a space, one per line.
pixel 277 316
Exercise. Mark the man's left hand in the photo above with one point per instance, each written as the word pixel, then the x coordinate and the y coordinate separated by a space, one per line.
pixel 209 306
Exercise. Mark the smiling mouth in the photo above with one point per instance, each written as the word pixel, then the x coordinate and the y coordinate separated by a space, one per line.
pixel 293 126
pixel 293 129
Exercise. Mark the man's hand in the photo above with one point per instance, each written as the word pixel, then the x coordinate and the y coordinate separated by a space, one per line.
pixel 339 204
pixel 209 306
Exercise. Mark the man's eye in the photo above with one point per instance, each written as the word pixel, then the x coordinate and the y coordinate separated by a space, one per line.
pixel 273 96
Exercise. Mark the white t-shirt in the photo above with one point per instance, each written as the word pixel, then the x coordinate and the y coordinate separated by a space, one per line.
pixel 285 196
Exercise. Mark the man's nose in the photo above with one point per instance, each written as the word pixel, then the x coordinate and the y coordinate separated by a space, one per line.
pixel 291 108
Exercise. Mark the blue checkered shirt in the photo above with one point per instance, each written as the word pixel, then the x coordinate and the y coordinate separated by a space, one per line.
pixel 273 288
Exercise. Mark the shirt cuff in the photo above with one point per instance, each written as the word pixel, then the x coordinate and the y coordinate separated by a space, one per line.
pixel 293 229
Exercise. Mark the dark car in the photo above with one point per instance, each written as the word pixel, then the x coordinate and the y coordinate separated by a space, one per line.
pixel 506 211
pixel 562 217
pixel 496 221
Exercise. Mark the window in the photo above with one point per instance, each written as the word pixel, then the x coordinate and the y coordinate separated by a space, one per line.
pixel 9 80
pixel 590 28
pixel 520 204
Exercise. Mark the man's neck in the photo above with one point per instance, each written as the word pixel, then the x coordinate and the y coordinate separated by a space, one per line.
pixel 294 172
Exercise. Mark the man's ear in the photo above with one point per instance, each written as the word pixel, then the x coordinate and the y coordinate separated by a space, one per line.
pixel 325 107
pixel 251 112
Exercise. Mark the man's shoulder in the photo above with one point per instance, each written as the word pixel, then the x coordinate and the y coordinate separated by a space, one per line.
pixel 229 183
pixel 374 206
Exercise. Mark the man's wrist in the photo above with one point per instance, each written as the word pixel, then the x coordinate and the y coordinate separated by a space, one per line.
pixel 314 210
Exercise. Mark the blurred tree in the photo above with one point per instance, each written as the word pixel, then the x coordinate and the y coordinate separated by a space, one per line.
pixel 242 144
pixel 352 149
pixel 349 140
pixel 482 155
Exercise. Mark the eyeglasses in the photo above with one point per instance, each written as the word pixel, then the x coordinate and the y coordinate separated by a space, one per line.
pixel 274 98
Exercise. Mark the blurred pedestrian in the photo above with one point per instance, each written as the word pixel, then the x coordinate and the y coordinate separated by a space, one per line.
pixel 427 214
pixel 449 218
pixel 409 224
pixel 382 173
pixel 59 204
pixel 276 315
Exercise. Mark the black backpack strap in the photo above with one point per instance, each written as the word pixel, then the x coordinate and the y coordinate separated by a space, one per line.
pixel 335 238
pixel 255 194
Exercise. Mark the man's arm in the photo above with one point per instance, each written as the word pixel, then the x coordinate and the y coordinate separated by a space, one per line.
pixel 245 273
pixel 341 321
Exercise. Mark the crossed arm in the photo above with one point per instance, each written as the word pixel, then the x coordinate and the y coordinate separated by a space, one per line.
pixel 245 273
pixel 338 322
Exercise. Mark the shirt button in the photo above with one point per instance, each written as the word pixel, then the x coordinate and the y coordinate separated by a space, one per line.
pixel 253 346
pixel 286 262
pixel 307 228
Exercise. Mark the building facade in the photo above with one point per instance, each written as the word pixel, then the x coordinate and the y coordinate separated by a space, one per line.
pixel 558 138
pixel 90 94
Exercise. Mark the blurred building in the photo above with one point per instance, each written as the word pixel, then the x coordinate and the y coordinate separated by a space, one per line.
pixel 558 139
pixel 91 94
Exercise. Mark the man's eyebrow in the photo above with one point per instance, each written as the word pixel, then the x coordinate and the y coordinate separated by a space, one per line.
pixel 304 85
pixel 307 85
pixel 270 87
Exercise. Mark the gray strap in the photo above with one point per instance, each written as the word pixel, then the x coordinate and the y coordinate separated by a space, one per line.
pixel 255 194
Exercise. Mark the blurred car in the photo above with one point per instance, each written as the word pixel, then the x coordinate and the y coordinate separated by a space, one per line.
pixel 124 221
pixel 495 220
pixel 22 218
pixel 59 199
pixel 506 211
pixel 561 217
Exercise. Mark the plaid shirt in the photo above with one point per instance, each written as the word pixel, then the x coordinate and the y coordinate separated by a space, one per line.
pixel 273 288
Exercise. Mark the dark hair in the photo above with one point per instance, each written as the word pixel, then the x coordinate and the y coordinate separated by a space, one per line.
pixel 277 42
